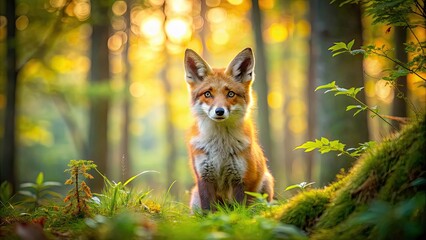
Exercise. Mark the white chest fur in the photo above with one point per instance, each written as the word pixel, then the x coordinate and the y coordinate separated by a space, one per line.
pixel 222 162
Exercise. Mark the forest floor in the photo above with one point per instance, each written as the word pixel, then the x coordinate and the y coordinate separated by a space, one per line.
pixel 382 197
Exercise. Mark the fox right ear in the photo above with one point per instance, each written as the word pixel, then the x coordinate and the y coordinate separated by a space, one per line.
pixel 195 67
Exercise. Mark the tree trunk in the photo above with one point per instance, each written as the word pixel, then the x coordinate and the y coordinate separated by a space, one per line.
pixel 125 149
pixel 99 106
pixel 261 86
pixel 399 106
pixel 8 158
pixel 336 24
pixel 310 97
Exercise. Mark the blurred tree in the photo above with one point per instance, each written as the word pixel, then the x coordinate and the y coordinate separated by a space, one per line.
pixel 261 86
pixel 99 78
pixel 8 156
pixel 335 24
pixel 172 152
pixel 399 106
pixel 311 114
pixel 125 151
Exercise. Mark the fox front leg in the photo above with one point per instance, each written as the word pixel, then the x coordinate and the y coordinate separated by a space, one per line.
pixel 238 191
pixel 207 194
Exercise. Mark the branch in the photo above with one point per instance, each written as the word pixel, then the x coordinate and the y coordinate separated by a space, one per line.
pixel 399 63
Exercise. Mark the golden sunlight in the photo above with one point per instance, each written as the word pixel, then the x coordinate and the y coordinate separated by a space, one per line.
pixel 119 8
pixel 275 99
pixel 180 6
pixel 136 89
pixel 82 10
pixel 235 2
pixel 220 37
pixel 384 91
pixel 277 32
pixel 152 26
pixel 178 30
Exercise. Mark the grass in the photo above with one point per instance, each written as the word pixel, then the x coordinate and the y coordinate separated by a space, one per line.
pixel 383 196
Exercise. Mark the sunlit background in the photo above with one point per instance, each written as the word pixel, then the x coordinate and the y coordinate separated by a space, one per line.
pixel 146 43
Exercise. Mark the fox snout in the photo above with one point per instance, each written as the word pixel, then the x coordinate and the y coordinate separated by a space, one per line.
pixel 218 114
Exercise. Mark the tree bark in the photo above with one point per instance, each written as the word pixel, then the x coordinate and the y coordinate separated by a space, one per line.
pixel 99 105
pixel 399 106
pixel 125 149
pixel 336 24
pixel 261 86
pixel 8 158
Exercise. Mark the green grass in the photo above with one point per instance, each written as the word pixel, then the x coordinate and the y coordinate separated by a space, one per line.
pixel 383 196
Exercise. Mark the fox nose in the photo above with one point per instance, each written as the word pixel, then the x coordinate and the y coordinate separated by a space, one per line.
pixel 220 111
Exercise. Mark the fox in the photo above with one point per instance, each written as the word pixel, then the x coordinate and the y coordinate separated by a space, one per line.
pixel 225 155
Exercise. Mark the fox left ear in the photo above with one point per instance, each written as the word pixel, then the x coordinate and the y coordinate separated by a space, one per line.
pixel 195 67
pixel 241 67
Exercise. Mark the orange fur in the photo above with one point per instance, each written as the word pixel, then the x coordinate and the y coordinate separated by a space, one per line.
pixel 225 154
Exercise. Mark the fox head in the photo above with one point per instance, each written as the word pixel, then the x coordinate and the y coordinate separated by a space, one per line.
pixel 220 94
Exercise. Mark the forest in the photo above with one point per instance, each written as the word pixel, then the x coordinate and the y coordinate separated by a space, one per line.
pixel 95 114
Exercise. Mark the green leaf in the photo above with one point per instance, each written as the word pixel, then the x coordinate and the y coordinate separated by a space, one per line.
pixel 27 193
pixel 137 175
pixel 28 185
pixel 51 184
pixel 292 187
pixel 338 53
pixel 338 46
pixel 257 195
pixel 325 141
pixel 350 44
pixel 309 146
pixel 39 179
pixel 350 107
pixel 360 110
pixel 327 86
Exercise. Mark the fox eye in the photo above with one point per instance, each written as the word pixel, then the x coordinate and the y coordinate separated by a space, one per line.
pixel 208 94
pixel 231 94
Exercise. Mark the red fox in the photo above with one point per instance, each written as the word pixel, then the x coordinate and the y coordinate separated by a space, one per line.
pixel 224 151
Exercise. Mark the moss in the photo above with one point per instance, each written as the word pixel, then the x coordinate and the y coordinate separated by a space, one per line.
pixel 385 175
pixel 304 209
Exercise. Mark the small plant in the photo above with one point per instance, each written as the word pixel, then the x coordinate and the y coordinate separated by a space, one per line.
pixel 301 186
pixel 79 196
pixel 38 191
pixel 6 194
pixel 117 195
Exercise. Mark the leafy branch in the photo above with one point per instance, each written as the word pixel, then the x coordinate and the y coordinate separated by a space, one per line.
pixel 352 93
pixel 325 145
pixel 341 47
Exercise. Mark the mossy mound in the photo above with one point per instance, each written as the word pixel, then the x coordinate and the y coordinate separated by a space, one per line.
pixel 382 197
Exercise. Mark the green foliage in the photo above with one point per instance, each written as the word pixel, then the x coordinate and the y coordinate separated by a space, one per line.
pixel 301 186
pixel 304 209
pixel 325 145
pixel 6 193
pixel 80 195
pixel 118 195
pixel 38 191
pixel 352 93
pixel 400 221
pixel 389 176
pixel 125 225
pixel 408 14
pixel 392 12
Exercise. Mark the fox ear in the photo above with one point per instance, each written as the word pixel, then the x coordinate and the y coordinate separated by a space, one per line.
pixel 195 67
pixel 242 66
